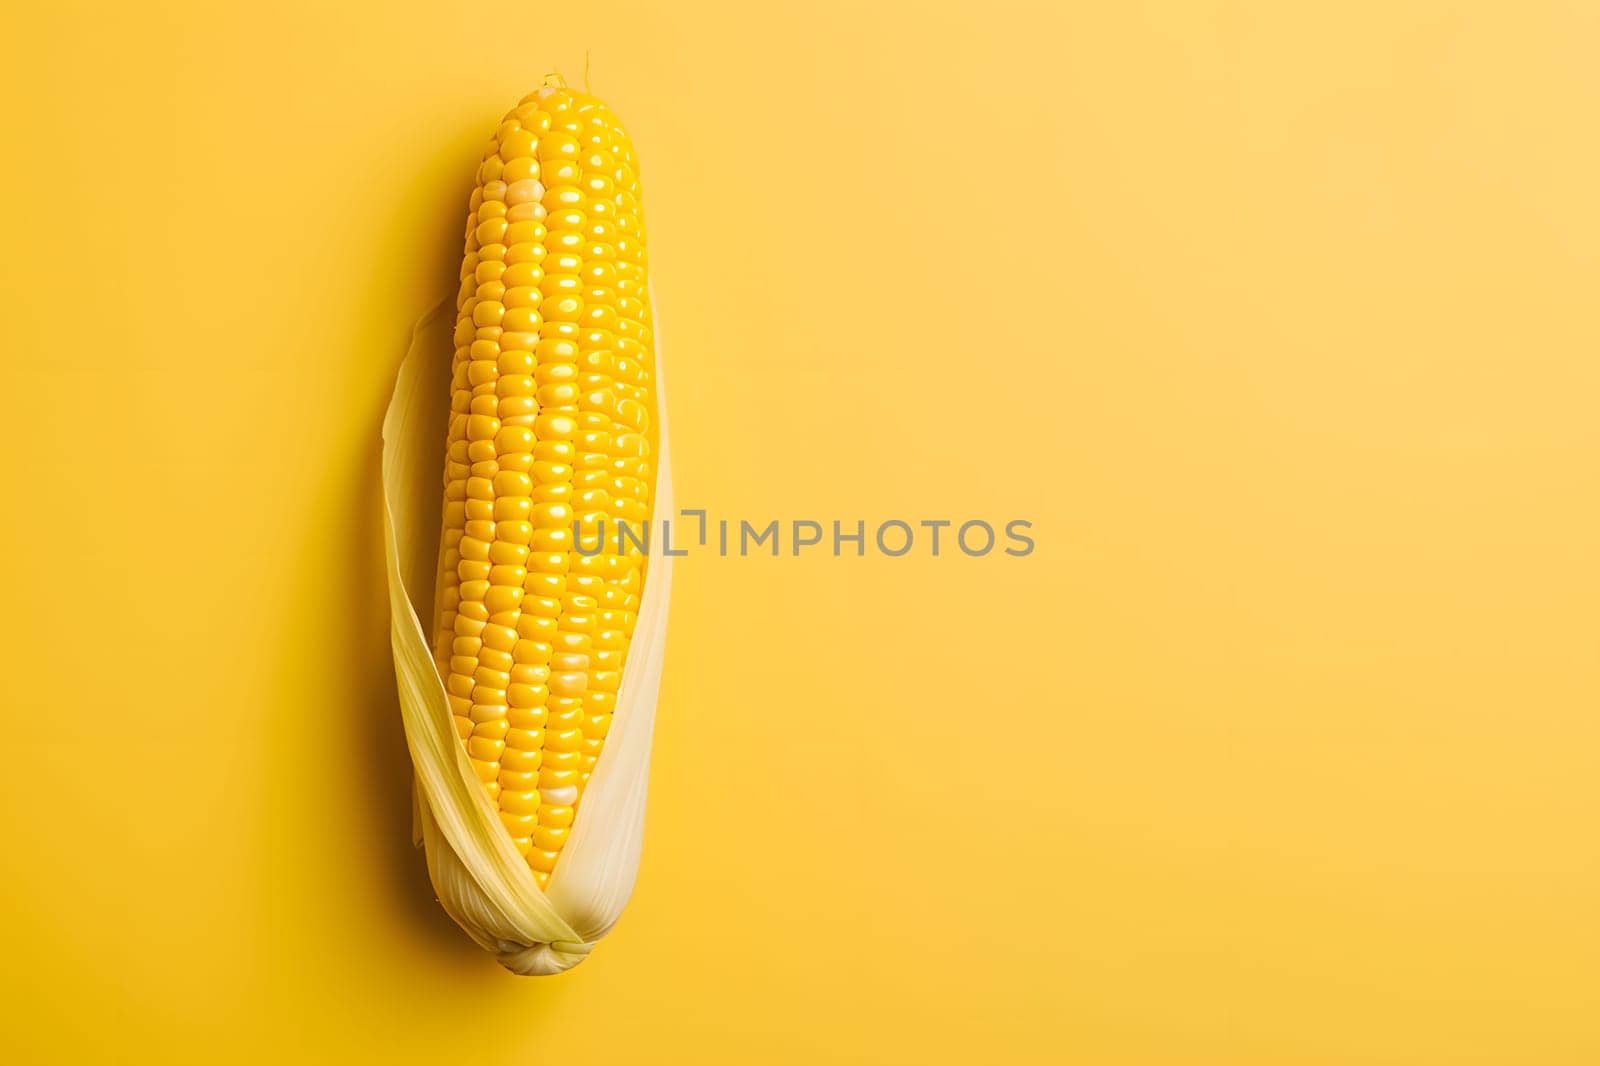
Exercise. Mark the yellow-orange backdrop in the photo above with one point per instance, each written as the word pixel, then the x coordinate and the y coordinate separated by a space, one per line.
pixel 1277 320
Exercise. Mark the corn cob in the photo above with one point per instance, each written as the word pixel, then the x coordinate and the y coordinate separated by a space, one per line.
pixel 549 450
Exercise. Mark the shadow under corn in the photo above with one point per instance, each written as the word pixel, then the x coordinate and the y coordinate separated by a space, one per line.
pixel 357 683
pixel 357 706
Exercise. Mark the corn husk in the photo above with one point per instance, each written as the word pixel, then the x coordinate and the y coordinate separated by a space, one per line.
pixel 480 879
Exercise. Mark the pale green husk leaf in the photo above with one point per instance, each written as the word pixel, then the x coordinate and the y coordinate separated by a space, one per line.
pixel 480 879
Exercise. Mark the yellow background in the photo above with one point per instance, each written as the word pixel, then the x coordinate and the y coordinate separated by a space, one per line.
pixel 1277 319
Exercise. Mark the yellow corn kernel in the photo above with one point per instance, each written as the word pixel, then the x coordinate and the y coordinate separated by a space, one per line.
pixel 548 472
